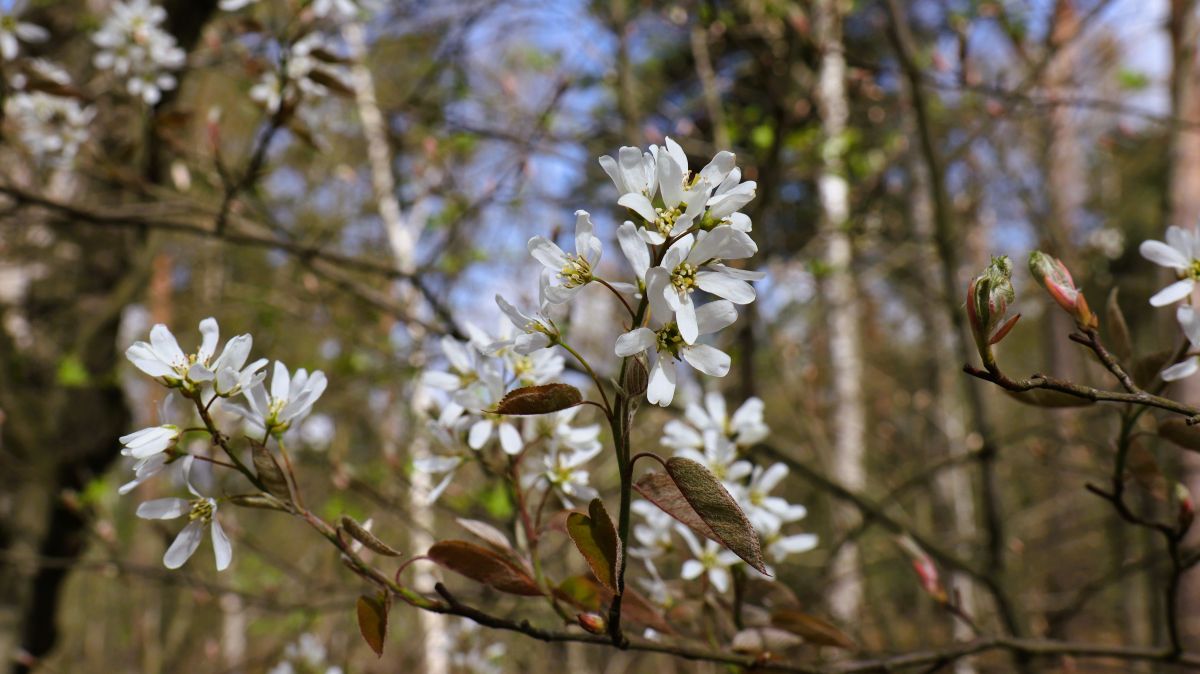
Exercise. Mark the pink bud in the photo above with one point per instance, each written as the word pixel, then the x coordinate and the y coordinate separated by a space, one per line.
pixel 592 622
pixel 1054 276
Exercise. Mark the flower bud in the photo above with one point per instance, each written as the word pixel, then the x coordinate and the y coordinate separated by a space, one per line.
pixel 1187 510
pixel 1054 276
pixel 927 571
pixel 988 298
pixel 592 622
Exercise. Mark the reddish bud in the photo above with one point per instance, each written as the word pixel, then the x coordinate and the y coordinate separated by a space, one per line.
pixel 1187 509
pixel 1054 276
pixel 927 571
pixel 988 298
pixel 592 623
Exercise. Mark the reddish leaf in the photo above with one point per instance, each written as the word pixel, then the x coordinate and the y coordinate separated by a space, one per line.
pixel 483 565
pixel 660 489
pixel 814 630
pixel 596 538
pixel 542 399
pixel 718 509
pixel 372 622
pixel 586 594
pixel 487 533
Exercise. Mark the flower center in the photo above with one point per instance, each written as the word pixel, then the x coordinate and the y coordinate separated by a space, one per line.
pixel 202 509
pixel 668 339
pixel 576 272
pixel 684 277
pixel 1193 271
pixel 666 219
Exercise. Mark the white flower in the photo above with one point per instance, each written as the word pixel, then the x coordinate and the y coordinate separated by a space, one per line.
pixel 438 465
pixel 201 512
pixel 1190 322
pixel 163 359
pixel 134 46
pixel 692 263
pixel 12 29
pixel 655 587
pixel 1181 252
pixel 633 171
pixel 635 250
pixel 744 428
pixel 149 441
pixel 335 9
pixel 539 367
pixel 564 472
pixel 680 206
pixel 557 429
pixel 766 512
pixel 537 330
pixel 468 377
pixel 52 128
pixel 572 271
pixel 317 431
pixel 667 342
pixel 720 457
pixel 291 398
pixel 494 424
pixel 729 197
pixel 711 559
pixel 655 535
pixel 779 547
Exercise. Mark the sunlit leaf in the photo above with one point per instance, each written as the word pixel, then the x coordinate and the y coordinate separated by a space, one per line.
pixel 718 509
pixel 542 399
pixel 596 538
pixel 372 622
pixel 660 489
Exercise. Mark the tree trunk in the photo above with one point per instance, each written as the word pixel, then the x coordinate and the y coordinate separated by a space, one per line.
pixel 847 467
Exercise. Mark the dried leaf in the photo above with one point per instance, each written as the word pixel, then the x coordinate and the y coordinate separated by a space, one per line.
pixel 360 533
pixel 488 533
pixel 483 565
pixel 718 509
pixel 596 538
pixel 660 489
pixel 1117 329
pixel 814 630
pixel 764 640
pixel 330 82
pixel 264 501
pixel 269 472
pixel 372 622
pixel 1177 431
pixel 542 399
pixel 1040 397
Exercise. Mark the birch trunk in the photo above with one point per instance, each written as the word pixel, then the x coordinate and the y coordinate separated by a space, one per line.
pixel 846 589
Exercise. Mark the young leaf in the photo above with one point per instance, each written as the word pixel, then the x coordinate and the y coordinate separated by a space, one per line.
pixel 660 489
pixel 488 533
pixel 717 508
pixel 542 399
pixel 483 565
pixel 360 533
pixel 269 472
pixel 814 630
pixel 372 622
pixel 596 538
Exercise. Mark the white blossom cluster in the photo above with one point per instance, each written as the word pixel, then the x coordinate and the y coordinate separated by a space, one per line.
pixel 134 46
pixel 207 378
pixel 717 440
pixel 52 128
pixel 479 373
pixel 302 68
pixel 1180 253
pixel 331 9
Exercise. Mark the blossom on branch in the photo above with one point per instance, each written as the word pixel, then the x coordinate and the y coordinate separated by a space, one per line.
pixel 201 512
pixel 1180 252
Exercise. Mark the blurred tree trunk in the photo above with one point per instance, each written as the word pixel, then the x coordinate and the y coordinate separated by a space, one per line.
pixel 1183 204
pixel 847 466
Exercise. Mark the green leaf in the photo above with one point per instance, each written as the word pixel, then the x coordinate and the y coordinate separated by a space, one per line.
pixel 542 399
pixel 269 472
pixel 814 630
pixel 596 538
pixel 71 373
pixel 483 565
pixel 1132 80
pixel 372 622
pixel 582 592
pixel 360 533
pixel 660 489
pixel 717 508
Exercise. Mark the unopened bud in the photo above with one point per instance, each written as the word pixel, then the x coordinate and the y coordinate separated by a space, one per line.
pixel 592 623
pixel 988 298
pixel 1054 276
pixel 1187 509
pixel 636 378
pixel 927 571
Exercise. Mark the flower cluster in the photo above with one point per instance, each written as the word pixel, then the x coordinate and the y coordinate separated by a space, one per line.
pixel 206 378
pixel 52 128
pixel 306 69
pixel 718 440
pixel 1180 253
pixel 134 46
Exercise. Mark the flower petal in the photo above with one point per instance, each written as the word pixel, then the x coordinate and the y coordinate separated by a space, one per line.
pixel 163 509
pixel 185 545
pixel 222 550
pixel 1173 293
pixel 1161 254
